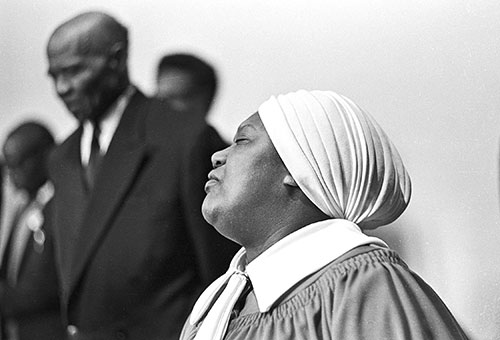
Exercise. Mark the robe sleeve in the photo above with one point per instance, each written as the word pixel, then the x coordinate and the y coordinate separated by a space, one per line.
pixel 385 300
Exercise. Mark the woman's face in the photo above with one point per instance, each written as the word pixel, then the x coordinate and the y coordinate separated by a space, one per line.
pixel 244 188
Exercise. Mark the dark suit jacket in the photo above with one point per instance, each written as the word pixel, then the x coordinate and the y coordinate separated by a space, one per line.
pixel 134 254
pixel 33 303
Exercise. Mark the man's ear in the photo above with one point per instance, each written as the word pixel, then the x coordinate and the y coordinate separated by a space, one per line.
pixel 117 55
pixel 289 181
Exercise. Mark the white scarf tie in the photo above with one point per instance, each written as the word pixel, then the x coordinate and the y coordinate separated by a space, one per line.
pixel 217 319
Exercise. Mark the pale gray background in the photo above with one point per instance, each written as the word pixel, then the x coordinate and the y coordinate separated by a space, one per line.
pixel 427 70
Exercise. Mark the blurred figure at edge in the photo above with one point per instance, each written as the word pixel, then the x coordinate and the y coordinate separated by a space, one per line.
pixel 29 302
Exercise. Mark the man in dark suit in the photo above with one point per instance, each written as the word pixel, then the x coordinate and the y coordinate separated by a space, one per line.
pixel 29 303
pixel 132 247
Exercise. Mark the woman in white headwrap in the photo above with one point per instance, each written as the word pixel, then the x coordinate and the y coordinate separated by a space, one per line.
pixel 304 177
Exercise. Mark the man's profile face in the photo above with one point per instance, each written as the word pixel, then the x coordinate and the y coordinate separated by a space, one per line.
pixel 178 88
pixel 81 80
pixel 245 184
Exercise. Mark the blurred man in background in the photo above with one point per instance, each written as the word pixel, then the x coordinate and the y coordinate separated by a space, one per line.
pixel 132 246
pixel 188 85
pixel 29 303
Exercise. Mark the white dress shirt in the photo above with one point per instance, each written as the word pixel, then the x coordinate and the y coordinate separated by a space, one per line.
pixel 108 125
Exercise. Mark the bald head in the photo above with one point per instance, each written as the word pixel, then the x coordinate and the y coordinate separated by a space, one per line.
pixel 93 33
pixel 88 63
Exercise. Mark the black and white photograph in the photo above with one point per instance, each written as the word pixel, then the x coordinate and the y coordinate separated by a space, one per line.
pixel 236 170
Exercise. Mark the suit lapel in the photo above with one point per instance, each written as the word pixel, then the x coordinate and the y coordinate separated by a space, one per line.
pixel 30 223
pixel 70 193
pixel 19 246
pixel 10 205
pixel 119 167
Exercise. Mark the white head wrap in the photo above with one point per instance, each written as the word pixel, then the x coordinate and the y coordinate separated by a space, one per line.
pixel 338 155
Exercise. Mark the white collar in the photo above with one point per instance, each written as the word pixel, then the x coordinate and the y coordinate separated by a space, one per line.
pixel 288 261
pixel 22 199
pixel 108 126
pixel 45 193
pixel 32 213
pixel 300 254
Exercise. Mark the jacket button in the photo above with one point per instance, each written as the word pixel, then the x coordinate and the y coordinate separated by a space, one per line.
pixel 121 335
pixel 72 330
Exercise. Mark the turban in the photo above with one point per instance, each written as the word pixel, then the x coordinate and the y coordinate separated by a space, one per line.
pixel 338 156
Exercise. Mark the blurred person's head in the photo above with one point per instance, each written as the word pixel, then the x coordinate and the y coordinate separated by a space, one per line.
pixel 26 151
pixel 304 157
pixel 87 58
pixel 187 83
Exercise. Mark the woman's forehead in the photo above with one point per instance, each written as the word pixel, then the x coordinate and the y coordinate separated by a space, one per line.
pixel 253 120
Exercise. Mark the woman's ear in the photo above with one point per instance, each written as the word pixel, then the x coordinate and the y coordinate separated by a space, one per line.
pixel 289 181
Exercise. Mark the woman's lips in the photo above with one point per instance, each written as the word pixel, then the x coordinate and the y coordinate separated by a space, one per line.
pixel 210 183
pixel 212 180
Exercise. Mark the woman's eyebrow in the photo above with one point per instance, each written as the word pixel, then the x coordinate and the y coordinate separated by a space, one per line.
pixel 243 127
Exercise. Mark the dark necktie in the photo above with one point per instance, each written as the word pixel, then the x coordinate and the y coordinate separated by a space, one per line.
pixel 95 158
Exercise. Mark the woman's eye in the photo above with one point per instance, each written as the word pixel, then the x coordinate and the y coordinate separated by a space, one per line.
pixel 240 140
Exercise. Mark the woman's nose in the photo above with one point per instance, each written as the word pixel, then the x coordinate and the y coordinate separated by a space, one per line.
pixel 219 158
